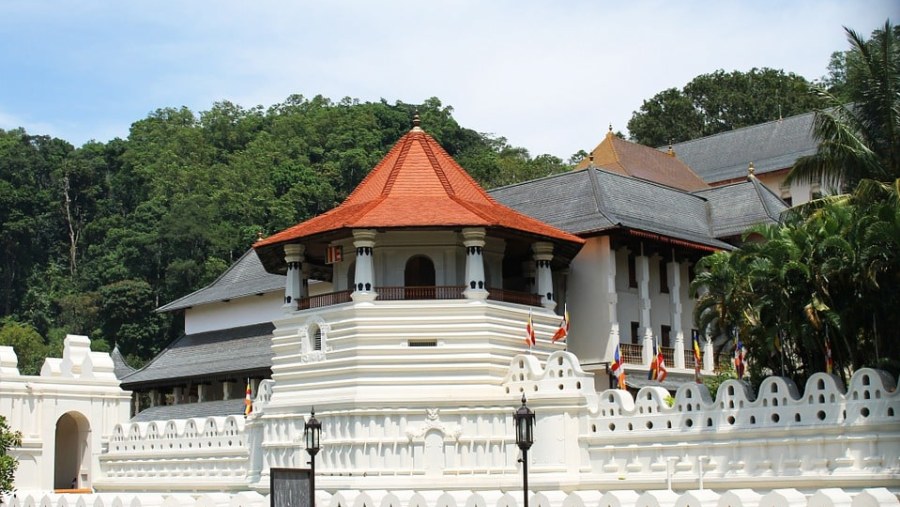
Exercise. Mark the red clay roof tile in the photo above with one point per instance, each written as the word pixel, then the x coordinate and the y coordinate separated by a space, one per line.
pixel 418 184
pixel 638 161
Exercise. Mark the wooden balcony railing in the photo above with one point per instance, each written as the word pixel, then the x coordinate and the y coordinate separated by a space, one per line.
pixel 631 353
pixel 332 298
pixel 511 296
pixel 407 293
pixel 413 293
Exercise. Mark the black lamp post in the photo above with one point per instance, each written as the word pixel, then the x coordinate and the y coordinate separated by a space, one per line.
pixel 524 438
pixel 312 430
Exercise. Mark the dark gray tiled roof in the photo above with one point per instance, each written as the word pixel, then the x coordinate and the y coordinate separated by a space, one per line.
pixel 245 277
pixel 594 200
pixel 188 410
pixel 770 146
pixel 120 367
pixel 222 352
pixel 736 207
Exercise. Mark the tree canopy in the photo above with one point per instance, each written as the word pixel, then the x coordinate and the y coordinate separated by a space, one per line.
pixel 858 119
pixel 719 102
pixel 822 286
pixel 95 238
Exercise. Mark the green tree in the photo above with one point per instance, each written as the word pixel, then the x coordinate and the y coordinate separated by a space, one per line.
pixel 859 130
pixel 28 344
pixel 8 463
pixel 718 102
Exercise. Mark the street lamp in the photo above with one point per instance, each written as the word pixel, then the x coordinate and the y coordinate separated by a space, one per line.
pixel 312 430
pixel 524 418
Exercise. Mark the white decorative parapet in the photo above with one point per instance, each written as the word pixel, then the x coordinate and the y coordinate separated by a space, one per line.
pixel 196 452
pixel 874 497
pixel 776 436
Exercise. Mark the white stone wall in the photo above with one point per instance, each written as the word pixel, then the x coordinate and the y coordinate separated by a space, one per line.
pixel 826 497
pixel 82 384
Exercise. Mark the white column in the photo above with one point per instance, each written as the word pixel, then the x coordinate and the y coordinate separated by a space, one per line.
pixel 708 355
pixel 675 294
pixel 201 392
pixel 642 265
pixel 293 286
pixel 176 395
pixel 543 254
pixel 226 389
pixel 608 260
pixel 154 397
pixel 364 242
pixel 473 240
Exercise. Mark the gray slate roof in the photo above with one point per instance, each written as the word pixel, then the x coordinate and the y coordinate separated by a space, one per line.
pixel 736 207
pixel 203 355
pixel 594 200
pixel 770 146
pixel 245 277
pixel 120 367
pixel 188 410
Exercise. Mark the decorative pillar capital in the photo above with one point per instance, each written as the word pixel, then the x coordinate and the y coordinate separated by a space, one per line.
pixel 294 252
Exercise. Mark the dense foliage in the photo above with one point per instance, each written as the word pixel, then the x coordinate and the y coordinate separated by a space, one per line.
pixel 719 102
pixel 8 464
pixel 95 238
pixel 826 280
pixel 829 274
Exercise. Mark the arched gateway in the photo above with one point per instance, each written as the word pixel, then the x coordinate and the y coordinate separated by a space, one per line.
pixel 73 452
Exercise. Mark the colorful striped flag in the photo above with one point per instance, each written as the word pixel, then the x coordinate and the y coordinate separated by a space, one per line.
pixel 618 368
pixel 739 358
pixel 829 362
pixel 248 401
pixel 654 364
pixel 530 339
pixel 563 330
pixel 698 356
pixel 661 371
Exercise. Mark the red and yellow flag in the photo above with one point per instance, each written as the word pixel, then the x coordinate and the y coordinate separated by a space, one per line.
pixel 248 401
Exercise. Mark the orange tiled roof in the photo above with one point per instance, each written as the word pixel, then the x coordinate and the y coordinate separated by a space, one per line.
pixel 418 184
pixel 638 161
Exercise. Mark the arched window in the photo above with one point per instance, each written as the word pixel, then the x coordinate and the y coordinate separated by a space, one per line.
pixel 315 337
pixel 419 278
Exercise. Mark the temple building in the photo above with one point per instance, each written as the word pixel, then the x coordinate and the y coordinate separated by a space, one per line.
pixel 645 216
pixel 414 318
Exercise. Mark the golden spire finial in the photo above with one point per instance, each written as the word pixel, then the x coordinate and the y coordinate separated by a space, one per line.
pixel 750 171
pixel 259 235
pixel 671 151
pixel 416 121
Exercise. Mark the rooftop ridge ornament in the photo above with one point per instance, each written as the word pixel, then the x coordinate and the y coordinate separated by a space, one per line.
pixel 416 122
pixel 750 171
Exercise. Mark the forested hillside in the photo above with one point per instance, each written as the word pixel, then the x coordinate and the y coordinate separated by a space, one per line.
pixel 94 238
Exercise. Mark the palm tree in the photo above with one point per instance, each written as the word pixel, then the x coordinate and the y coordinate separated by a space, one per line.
pixel 722 302
pixel 861 138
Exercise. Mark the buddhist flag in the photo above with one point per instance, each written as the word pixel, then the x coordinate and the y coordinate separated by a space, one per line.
pixel 739 358
pixel 661 371
pixel 654 364
pixel 698 357
pixel 563 330
pixel 618 368
pixel 529 332
pixel 829 363
pixel 248 402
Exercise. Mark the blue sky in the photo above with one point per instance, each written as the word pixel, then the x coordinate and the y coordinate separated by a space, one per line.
pixel 548 76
